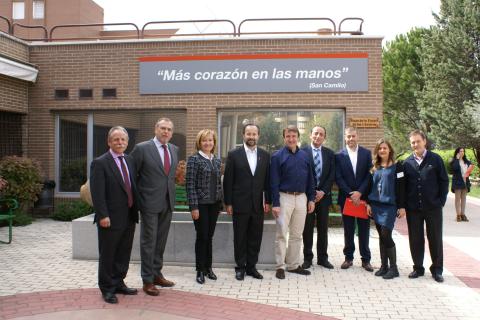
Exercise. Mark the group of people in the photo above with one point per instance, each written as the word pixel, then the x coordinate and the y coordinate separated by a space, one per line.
pixel 294 184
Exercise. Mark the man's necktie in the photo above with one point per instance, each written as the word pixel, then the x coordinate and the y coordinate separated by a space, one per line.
pixel 126 180
pixel 317 161
pixel 166 159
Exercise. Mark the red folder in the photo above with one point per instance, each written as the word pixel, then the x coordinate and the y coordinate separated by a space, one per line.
pixel 360 211
pixel 469 170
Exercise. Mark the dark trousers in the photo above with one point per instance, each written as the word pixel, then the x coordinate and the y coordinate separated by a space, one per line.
pixel 385 236
pixel 363 237
pixel 247 239
pixel 114 248
pixel 318 218
pixel 205 227
pixel 153 240
pixel 433 220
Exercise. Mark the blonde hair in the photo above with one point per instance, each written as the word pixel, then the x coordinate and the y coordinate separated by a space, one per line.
pixel 201 135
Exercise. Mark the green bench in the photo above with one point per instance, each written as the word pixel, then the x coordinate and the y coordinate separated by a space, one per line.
pixel 7 206
pixel 181 202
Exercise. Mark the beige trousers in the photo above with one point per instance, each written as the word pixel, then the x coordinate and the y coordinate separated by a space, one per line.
pixel 460 200
pixel 290 223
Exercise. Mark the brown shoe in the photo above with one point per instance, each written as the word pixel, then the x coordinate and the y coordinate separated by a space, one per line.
pixel 464 218
pixel 280 274
pixel 150 289
pixel 367 266
pixel 161 281
pixel 459 218
pixel 346 264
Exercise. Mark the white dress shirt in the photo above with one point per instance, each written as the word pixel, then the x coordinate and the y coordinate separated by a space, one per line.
pixel 251 157
pixel 160 149
pixel 353 155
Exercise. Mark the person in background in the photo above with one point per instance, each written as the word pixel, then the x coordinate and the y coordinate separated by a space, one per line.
pixel 460 182
pixel 426 189
pixel 386 203
pixel 113 189
pixel 204 194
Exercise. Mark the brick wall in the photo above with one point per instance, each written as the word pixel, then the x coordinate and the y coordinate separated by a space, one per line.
pixel 115 65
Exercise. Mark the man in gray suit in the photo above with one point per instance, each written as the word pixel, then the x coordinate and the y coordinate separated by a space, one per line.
pixel 156 161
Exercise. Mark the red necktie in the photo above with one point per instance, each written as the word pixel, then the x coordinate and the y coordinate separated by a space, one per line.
pixel 166 159
pixel 126 180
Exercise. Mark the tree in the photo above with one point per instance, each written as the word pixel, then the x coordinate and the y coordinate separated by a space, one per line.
pixel 451 66
pixel 403 82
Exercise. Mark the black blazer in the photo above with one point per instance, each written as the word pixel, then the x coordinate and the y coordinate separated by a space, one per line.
pixel 328 173
pixel 346 180
pixel 457 178
pixel 242 190
pixel 427 184
pixel 109 195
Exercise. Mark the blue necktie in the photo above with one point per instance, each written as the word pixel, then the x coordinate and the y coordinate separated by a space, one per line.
pixel 317 162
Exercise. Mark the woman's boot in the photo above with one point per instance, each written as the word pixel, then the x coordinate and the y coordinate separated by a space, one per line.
pixel 393 270
pixel 384 267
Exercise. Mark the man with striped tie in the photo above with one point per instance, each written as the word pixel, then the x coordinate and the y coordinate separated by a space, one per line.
pixel 323 165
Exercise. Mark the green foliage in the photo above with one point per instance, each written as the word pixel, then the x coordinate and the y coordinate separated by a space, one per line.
pixel 23 184
pixel 403 83
pixel 68 211
pixel 270 134
pixel 451 65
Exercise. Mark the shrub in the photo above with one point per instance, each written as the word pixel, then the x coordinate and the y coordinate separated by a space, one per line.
pixel 68 211
pixel 23 184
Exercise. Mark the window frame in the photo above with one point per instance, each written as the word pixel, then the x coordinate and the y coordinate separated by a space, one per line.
pixel 34 3
pixel 14 4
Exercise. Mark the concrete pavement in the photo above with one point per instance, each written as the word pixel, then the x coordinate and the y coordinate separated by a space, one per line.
pixel 39 280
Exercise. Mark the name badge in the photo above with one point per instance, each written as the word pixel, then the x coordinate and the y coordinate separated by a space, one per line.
pixel 400 175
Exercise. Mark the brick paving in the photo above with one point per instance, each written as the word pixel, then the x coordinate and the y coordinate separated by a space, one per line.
pixel 38 276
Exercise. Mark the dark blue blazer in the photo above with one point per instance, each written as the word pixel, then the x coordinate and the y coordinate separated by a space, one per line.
pixel 426 184
pixel 457 179
pixel 328 173
pixel 346 180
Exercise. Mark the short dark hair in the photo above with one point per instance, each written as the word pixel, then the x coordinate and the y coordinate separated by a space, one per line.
pixel 318 126
pixel 291 128
pixel 417 132
pixel 251 125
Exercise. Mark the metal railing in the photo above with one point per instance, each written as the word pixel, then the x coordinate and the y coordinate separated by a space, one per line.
pixel 283 32
pixel 45 31
pixel 234 33
pixel 144 32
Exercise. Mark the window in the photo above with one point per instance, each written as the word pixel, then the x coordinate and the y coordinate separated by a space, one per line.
pixel 18 10
pixel 109 93
pixel 38 9
pixel 85 93
pixel 82 137
pixel 272 122
pixel 61 93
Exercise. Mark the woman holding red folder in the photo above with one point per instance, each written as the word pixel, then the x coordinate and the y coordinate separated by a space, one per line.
pixel 386 203
pixel 460 181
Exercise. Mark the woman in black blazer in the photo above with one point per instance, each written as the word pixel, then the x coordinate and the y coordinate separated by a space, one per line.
pixel 204 194
pixel 460 182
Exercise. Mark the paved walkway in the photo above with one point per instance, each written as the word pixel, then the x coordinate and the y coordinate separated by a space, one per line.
pixel 39 280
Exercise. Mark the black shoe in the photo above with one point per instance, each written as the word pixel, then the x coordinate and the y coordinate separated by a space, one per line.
pixel 382 271
pixel 200 277
pixel 109 297
pixel 325 264
pixel 126 291
pixel 306 264
pixel 391 273
pixel 300 271
pixel 280 274
pixel 437 277
pixel 210 275
pixel 254 273
pixel 415 274
pixel 240 275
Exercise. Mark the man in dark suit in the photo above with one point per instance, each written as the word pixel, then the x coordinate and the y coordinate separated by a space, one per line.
pixel 426 183
pixel 352 173
pixel 113 191
pixel 322 162
pixel 246 187
pixel 156 161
